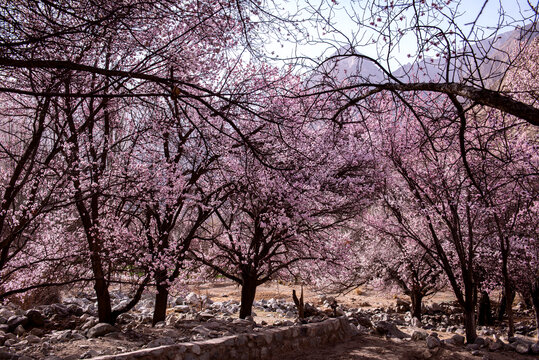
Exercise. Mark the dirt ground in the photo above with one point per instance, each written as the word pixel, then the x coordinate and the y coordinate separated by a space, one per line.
pixel 364 347
pixel 365 297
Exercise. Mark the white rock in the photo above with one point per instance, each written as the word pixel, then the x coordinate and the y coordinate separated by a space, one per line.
pixel 192 298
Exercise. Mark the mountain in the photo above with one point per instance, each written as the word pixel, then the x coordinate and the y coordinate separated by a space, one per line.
pixel 481 63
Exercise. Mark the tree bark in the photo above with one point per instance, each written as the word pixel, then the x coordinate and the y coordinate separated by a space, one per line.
pixel 469 324
pixel 248 291
pixel 509 311
pixel 416 298
pixel 104 310
pixel 161 299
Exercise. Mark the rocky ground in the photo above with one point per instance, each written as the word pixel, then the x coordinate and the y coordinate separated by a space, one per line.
pixel 70 330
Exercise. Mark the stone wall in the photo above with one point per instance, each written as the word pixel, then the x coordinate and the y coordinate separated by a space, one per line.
pixel 267 344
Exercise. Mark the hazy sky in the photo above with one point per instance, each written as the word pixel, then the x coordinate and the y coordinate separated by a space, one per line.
pixel 341 21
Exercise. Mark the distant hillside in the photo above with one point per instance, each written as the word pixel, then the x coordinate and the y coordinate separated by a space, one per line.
pixel 483 63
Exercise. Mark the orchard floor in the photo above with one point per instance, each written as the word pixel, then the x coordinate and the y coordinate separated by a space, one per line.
pixel 360 297
pixel 364 347
pixel 360 347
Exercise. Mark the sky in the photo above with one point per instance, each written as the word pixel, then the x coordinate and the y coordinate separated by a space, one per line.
pixel 346 30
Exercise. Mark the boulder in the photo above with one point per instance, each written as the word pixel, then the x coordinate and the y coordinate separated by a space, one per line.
pixel 522 348
pixel 180 300
pixel 458 339
pixel 364 321
pixel 35 318
pixel 192 299
pixel 100 330
pixel 19 330
pixel 419 335
pixel 75 309
pixel 402 306
pixel 480 341
pixel 33 339
pixel 6 313
pixel 389 329
pixel 14 321
pixel 433 342
pixel 495 346
pixel 473 347
pixel 415 322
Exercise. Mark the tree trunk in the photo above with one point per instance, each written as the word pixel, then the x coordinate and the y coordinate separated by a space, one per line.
pixel 417 298
pixel 469 324
pixel 104 309
pixel 161 299
pixel 504 307
pixel 248 291
pixel 484 316
pixel 509 311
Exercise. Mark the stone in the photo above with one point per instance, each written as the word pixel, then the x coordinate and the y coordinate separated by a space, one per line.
pixel 289 314
pixel 192 299
pixel 6 313
pixel 243 322
pixel 415 322
pixel 480 341
pixel 35 318
pixel 160 342
pixel 402 306
pixel 182 308
pixel 364 321
pixel 89 354
pixel 522 348
pixel 179 300
pixel 433 342
pixel 124 318
pixel 14 321
pixel 33 339
pixel 59 309
pixel 535 348
pixel 19 330
pixel 389 329
pixel 7 355
pixel 205 316
pixel 458 339
pixel 75 309
pixel 495 346
pixel 90 323
pixel 473 347
pixel 354 330
pixel 100 330
pixel 419 335
pixel 202 330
